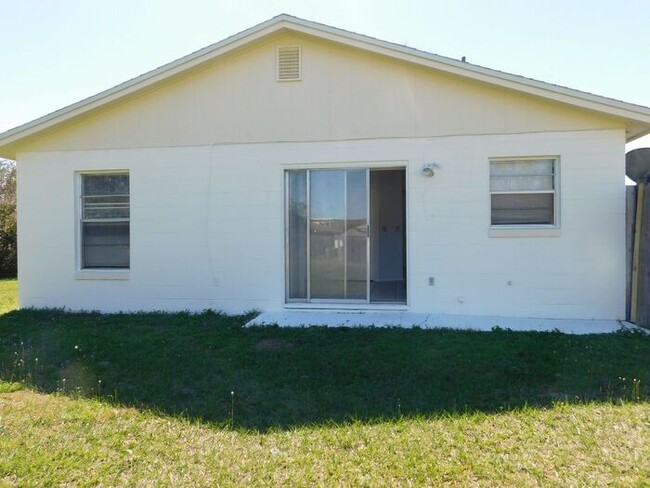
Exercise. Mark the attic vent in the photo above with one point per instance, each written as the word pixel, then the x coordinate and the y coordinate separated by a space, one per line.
pixel 289 63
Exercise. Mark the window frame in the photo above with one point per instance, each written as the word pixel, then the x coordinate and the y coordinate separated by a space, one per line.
pixel 98 273
pixel 526 230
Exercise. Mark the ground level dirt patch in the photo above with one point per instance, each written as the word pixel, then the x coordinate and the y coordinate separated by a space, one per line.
pixel 273 345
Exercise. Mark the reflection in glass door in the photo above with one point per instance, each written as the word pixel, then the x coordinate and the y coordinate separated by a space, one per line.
pixel 327 235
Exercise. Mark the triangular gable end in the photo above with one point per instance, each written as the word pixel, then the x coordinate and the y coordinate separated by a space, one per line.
pixel 635 118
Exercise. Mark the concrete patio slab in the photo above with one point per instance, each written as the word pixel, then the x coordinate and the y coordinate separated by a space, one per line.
pixel 329 318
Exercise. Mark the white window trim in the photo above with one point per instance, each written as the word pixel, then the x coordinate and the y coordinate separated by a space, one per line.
pixel 527 230
pixel 103 274
pixel 93 273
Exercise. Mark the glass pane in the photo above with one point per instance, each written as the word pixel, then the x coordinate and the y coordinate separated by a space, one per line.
pixel 534 174
pixel 297 223
pixel 356 235
pixel 109 184
pixel 535 208
pixel 327 234
pixel 105 244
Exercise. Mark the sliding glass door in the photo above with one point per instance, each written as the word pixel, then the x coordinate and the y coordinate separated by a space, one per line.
pixel 327 235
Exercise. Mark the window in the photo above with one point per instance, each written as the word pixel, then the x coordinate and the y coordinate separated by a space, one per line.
pixel 523 191
pixel 104 226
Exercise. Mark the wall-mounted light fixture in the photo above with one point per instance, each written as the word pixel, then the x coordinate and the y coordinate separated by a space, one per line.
pixel 429 169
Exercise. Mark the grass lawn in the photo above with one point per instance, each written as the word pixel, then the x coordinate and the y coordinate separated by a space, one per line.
pixel 89 399
pixel 8 295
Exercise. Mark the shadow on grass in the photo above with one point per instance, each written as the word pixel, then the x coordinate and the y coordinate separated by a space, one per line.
pixel 183 364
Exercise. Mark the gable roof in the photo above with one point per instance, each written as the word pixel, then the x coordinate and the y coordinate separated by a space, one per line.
pixel 637 117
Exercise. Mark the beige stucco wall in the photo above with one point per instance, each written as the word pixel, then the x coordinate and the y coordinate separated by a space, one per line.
pixel 344 94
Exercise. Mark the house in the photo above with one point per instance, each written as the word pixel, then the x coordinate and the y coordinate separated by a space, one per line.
pixel 296 165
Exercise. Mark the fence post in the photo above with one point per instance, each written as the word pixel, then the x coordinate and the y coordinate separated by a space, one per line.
pixel 640 301
pixel 630 214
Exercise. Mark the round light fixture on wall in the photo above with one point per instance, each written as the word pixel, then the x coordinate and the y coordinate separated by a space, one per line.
pixel 429 169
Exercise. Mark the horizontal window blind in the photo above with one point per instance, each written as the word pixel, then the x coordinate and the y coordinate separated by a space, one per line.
pixel 523 191
pixel 105 221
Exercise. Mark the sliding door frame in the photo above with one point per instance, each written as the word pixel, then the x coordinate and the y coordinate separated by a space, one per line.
pixel 368 167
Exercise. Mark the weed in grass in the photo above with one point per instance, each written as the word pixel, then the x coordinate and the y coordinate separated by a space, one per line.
pixel 636 390
pixel 630 388
pixel 232 409
pixel 623 389
pixel 10 386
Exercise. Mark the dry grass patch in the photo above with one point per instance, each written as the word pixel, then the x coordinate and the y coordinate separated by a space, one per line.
pixel 54 440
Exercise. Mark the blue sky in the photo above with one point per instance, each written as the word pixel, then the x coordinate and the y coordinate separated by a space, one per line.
pixel 56 52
